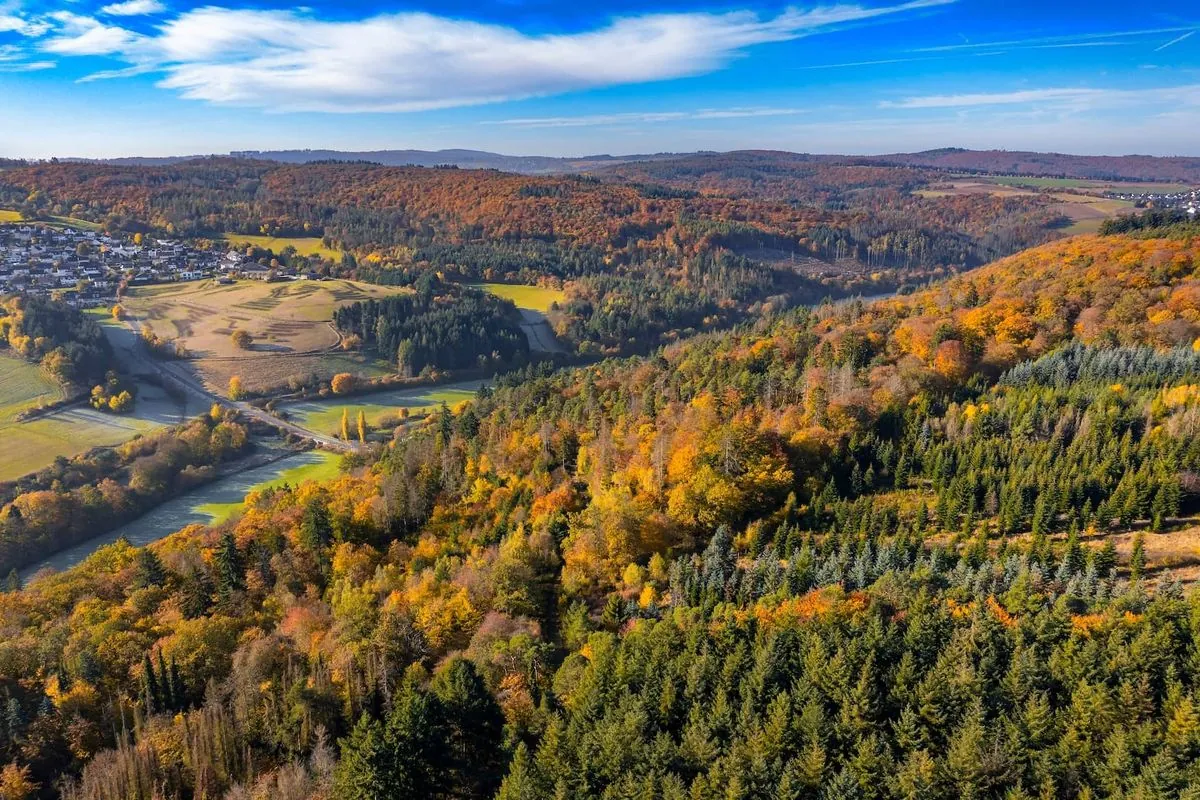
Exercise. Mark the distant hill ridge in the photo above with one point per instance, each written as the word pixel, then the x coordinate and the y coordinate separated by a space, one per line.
pixel 1183 169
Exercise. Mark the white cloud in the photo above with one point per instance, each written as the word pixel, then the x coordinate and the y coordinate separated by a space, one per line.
pixel 78 35
pixel 15 58
pixel 1078 99
pixel 14 23
pixel 1052 40
pixel 289 61
pixel 26 66
pixel 134 8
pixel 994 98
pixel 645 118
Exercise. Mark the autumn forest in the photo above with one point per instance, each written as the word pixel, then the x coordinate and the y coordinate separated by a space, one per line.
pixel 835 487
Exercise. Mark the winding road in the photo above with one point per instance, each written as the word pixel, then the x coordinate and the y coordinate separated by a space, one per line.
pixel 131 348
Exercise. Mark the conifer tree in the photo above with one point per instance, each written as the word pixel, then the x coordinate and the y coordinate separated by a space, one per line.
pixel 364 770
pixel 521 782
pixel 150 571
pixel 231 576
pixel 1137 559
pixel 475 727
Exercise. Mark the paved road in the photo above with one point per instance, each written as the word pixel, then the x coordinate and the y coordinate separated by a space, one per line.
pixel 133 350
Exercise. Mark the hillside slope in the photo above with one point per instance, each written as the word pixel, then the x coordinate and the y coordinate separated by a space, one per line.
pixel 822 551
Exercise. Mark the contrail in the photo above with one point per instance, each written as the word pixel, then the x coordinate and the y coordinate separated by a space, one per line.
pixel 1176 40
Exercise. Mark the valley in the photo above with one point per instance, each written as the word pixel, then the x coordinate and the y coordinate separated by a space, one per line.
pixel 816 477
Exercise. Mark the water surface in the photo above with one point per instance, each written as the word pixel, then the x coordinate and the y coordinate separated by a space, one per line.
pixel 187 509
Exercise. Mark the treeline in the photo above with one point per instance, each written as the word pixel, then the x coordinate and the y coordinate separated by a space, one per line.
pixel 437 326
pixel 1151 221
pixel 654 252
pixel 511 262
pixel 70 347
pixel 91 494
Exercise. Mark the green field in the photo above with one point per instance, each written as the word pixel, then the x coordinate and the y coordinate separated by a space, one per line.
pixel 9 215
pixel 325 416
pixel 534 298
pixel 33 444
pixel 22 386
pixel 325 467
pixel 73 222
pixel 305 246
pixel 1079 183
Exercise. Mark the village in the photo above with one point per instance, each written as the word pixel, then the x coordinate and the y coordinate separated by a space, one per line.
pixel 1187 200
pixel 87 268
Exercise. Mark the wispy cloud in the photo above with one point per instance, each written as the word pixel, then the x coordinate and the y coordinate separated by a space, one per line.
pixel 872 63
pixel 134 8
pixel 993 98
pixel 640 118
pixel 967 50
pixel 1060 41
pixel 1175 41
pixel 14 23
pixel 1064 98
pixel 14 58
pixel 27 66
pixel 291 61
pixel 79 35
pixel 17 58
pixel 113 74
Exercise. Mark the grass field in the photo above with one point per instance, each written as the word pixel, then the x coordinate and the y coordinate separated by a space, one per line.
pixel 325 416
pixel 305 246
pixel 323 467
pixel 8 215
pixel 23 386
pixel 33 444
pixel 1087 215
pixel 1085 184
pixel 289 322
pixel 534 298
pixel 1076 183
pixel 73 222
pixel 1086 211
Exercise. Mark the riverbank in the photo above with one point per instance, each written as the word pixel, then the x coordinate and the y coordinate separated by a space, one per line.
pixel 215 501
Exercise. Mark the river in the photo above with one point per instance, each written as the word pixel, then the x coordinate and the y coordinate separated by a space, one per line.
pixel 198 506
pixel 212 502
pixel 215 501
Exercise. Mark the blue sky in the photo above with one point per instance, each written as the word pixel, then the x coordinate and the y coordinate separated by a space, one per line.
pixel 158 77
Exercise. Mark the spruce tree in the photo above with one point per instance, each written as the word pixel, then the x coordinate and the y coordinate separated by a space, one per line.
pixel 475 727
pixel 364 771
pixel 521 781
pixel 149 570
pixel 1137 559
pixel 231 576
